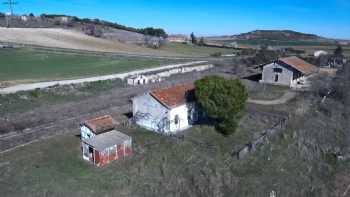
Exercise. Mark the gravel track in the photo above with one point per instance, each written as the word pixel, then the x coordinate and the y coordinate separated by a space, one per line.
pixel 284 99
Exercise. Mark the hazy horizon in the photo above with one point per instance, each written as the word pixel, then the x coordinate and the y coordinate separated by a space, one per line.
pixel 329 19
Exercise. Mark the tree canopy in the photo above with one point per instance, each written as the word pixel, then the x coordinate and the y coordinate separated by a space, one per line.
pixel 151 31
pixel 223 101
pixel 338 52
pixel 201 41
pixel 193 38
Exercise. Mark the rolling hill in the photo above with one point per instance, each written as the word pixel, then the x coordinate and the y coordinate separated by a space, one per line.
pixel 282 35
pixel 92 27
pixel 76 40
pixel 70 39
pixel 273 37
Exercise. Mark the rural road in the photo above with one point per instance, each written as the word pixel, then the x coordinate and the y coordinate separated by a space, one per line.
pixel 284 99
pixel 41 85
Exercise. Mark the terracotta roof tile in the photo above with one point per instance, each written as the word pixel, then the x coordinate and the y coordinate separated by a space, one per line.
pixel 101 124
pixel 174 96
pixel 299 64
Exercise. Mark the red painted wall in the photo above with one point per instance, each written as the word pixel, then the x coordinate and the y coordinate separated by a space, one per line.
pixel 102 158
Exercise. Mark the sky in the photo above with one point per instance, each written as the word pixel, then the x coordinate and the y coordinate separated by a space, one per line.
pixel 328 18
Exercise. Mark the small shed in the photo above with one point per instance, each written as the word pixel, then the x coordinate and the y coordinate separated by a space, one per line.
pixel 96 126
pixel 107 147
pixel 137 80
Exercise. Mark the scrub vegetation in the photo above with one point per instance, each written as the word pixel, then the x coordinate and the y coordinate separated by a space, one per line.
pixel 307 159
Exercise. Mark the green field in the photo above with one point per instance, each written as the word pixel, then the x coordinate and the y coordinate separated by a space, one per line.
pixel 27 65
pixel 193 50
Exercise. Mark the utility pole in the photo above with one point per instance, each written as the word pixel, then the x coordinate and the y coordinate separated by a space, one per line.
pixel 10 3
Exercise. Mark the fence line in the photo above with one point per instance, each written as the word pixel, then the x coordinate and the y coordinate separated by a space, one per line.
pixel 261 140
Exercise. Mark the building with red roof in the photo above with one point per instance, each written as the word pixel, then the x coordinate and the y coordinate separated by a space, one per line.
pixel 290 71
pixel 101 144
pixel 166 110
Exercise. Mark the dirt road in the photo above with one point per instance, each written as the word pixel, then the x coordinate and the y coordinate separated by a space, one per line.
pixel 40 85
pixel 284 99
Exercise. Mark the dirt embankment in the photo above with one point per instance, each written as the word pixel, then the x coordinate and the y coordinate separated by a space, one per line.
pixel 69 39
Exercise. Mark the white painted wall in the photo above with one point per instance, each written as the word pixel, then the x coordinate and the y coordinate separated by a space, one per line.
pixel 284 78
pixel 182 113
pixel 85 132
pixel 150 114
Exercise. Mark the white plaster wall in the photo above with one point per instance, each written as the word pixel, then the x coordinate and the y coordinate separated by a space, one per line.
pixel 182 112
pixel 151 113
pixel 85 151
pixel 268 75
pixel 86 133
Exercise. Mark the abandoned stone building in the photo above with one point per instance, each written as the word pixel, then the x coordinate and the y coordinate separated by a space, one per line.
pixel 289 71
pixel 137 80
pixel 167 110
pixel 101 144
pixel 160 75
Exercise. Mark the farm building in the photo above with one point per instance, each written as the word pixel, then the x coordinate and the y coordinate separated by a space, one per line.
pixel 290 71
pixel 179 38
pixel 107 147
pixel 101 143
pixel 167 110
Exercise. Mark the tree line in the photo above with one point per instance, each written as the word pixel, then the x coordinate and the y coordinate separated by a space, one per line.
pixel 158 32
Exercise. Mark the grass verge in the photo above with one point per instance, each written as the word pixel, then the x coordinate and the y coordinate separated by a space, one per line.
pixel 26 100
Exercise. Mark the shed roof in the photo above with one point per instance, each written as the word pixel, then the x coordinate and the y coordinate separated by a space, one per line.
pixel 101 124
pixel 174 96
pixel 299 64
pixel 107 140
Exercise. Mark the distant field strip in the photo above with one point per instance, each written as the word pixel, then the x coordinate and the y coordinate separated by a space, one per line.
pixel 33 86
pixel 29 65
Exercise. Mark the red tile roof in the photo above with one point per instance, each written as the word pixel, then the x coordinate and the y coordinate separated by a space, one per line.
pixel 174 96
pixel 299 64
pixel 101 124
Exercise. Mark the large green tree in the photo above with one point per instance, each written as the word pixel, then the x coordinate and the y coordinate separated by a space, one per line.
pixel 193 38
pixel 223 101
pixel 338 52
